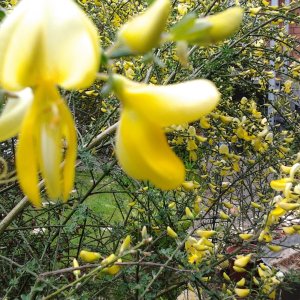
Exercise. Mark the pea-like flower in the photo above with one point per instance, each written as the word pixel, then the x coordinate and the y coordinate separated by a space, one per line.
pixel 141 145
pixel 143 32
pixel 43 44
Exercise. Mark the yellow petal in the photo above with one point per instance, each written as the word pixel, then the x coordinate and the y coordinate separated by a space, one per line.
pixel 279 184
pixel 224 24
pixel 14 112
pixel 72 45
pixel 144 153
pixel 48 139
pixel 26 158
pixel 288 206
pixel 143 32
pixel 59 44
pixel 170 104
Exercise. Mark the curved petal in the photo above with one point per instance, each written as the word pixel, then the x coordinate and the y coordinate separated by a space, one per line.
pixel 170 104
pixel 48 41
pixel 142 33
pixel 144 153
pixel 26 160
pixel 13 114
pixel 48 138
pixel 71 44
pixel 49 143
pixel 69 132
pixel 20 47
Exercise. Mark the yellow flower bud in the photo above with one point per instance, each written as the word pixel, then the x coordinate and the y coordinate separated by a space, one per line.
pixel 88 256
pixel 108 260
pixel 246 236
pixel 256 205
pixel 76 265
pixel 143 32
pixel 171 233
pixel 275 248
pixel 188 213
pixel 242 261
pixel 241 282
pixel 226 277
pixel 238 269
pixel 223 216
pixel 255 281
pixel 205 233
pixel 242 293
pixel 126 244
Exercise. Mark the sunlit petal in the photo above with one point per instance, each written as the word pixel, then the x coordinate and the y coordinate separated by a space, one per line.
pixel 26 162
pixel 20 46
pixel 48 139
pixel 49 145
pixel 71 44
pixel 143 32
pixel 13 114
pixel 144 153
pixel 170 104
pixel 48 40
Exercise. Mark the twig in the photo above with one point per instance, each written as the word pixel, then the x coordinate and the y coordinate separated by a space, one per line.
pixel 11 216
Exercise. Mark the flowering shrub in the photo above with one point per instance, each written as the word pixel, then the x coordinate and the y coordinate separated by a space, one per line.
pixel 201 180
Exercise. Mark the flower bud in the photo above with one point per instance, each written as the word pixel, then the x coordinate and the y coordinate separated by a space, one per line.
pixel 88 256
pixel 171 233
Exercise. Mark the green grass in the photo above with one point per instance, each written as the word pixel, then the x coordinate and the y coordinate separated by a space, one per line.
pixel 103 203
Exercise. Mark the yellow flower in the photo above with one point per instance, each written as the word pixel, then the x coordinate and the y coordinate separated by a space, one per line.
pixel 141 145
pixel 44 44
pixel 143 32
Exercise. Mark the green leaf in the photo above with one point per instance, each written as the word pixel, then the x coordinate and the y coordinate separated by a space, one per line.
pixel 2 14
pixel 190 29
